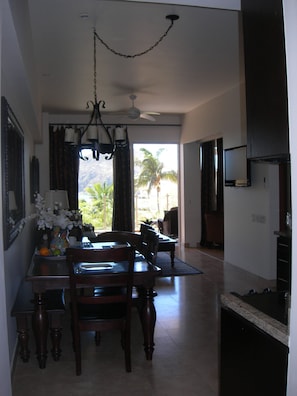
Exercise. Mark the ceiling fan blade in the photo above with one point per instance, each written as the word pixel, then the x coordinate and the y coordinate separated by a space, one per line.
pixel 152 113
pixel 147 117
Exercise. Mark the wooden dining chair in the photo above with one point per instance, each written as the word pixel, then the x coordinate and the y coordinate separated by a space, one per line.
pixel 150 245
pixel 146 243
pixel 132 238
pixel 91 268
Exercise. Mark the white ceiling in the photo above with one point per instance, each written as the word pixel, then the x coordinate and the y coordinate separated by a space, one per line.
pixel 197 61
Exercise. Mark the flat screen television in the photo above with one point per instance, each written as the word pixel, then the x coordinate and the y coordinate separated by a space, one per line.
pixel 237 167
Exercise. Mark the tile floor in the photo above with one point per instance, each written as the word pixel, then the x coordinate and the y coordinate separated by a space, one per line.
pixel 185 359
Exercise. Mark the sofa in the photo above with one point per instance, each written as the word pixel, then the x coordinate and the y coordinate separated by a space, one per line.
pixel 169 225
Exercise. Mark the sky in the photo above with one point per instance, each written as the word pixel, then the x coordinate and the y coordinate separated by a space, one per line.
pixel 169 156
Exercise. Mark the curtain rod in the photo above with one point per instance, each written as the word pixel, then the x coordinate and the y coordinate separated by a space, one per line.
pixel 114 124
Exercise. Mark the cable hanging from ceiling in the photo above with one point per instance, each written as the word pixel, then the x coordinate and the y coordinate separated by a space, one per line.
pixel 103 139
pixel 172 18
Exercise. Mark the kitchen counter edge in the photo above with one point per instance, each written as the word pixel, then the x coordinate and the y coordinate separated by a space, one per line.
pixel 264 322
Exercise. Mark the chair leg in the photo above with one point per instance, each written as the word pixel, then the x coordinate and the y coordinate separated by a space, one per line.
pixel 56 335
pixel 97 338
pixel 78 359
pixel 77 351
pixel 127 351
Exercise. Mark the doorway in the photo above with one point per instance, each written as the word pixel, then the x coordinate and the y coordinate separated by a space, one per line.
pixel 155 182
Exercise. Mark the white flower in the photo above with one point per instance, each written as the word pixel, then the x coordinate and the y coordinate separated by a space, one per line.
pixel 48 218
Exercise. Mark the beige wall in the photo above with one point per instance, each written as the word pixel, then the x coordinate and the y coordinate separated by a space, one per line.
pixel 223 116
pixel 248 244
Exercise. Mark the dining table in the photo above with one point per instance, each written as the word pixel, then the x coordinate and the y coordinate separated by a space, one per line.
pixel 51 272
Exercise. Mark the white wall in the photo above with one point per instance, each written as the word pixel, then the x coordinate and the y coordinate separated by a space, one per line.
pixel 290 17
pixel 250 213
pixel 17 89
pixel 251 217
pixel 223 116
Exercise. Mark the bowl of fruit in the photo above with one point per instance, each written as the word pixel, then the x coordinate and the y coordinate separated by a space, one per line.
pixel 51 253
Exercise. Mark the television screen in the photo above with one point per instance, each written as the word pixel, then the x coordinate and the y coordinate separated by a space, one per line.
pixel 237 167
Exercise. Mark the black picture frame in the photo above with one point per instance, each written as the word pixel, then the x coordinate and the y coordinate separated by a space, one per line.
pixel 34 178
pixel 13 194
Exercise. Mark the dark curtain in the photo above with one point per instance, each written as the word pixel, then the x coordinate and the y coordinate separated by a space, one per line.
pixel 211 183
pixel 122 208
pixel 64 165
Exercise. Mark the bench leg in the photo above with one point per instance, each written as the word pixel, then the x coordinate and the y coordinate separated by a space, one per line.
pixel 23 337
pixel 56 334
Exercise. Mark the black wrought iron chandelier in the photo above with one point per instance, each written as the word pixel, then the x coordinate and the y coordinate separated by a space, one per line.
pixel 103 139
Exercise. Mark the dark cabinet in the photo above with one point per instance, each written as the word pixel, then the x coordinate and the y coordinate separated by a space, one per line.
pixel 283 263
pixel 252 362
pixel 266 82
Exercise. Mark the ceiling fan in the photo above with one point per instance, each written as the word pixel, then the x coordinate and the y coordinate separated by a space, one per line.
pixel 134 113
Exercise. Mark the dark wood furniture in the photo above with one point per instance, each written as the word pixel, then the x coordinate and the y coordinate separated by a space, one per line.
pixel 145 243
pixel 284 263
pixel 266 80
pixel 166 244
pixel 23 310
pixel 108 310
pixel 48 274
pixel 150 245
pixel 252 362
pixel 214 227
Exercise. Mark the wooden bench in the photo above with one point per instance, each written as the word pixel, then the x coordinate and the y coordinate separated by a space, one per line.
pixel 23 310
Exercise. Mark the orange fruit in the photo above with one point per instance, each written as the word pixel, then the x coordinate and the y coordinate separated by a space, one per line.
pixel 44 251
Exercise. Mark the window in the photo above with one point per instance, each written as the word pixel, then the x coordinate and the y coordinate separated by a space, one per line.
pixel 95 191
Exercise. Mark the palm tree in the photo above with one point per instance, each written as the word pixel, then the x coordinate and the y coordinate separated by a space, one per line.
pixel 102 199
pixel 152 173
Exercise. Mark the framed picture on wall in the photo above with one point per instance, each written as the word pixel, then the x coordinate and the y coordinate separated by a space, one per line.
pixel 13 194
pixel 34 177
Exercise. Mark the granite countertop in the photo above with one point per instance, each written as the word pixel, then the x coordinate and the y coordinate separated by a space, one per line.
pixel 264 322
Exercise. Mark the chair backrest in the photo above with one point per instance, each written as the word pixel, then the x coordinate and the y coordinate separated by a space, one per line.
pixel 150 245
pixel 86 267
pixel 146 243
pixel 119 236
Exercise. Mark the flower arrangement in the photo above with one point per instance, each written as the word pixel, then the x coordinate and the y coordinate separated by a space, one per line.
pixel 48 218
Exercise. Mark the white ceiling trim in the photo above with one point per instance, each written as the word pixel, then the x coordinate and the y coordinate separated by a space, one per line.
pixel 220 4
